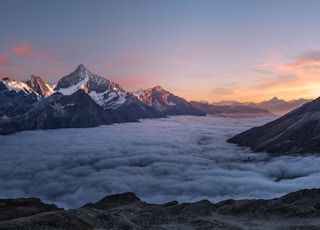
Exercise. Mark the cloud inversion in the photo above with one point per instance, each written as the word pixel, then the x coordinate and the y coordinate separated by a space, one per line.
pixel 181 158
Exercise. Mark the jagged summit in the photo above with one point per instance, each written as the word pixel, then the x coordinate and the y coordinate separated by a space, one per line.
pixel 17 86
pixel 158 88
pixel 157 97
pixel 81 66
pixel 79 76
pixel 275 98
pixel 82 78
pixel 104 92
pixel 167 103
pixel 39 86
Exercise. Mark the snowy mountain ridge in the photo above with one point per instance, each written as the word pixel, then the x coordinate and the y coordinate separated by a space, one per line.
pixel 39 86
pixel 104 92
pixel 167 103
pixel 156 97
pixel 16 86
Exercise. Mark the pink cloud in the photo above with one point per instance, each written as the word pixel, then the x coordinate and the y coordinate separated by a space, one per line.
pixel 309 61
pixel 24 49
pixel 290 77
pixel 279 82
pixel 27 50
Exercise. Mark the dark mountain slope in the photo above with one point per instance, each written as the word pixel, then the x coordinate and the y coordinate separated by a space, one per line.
pixel 11 101
pixel 295 132
pixel 58 111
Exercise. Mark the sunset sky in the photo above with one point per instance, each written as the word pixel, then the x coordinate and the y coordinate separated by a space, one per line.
pixel 248 50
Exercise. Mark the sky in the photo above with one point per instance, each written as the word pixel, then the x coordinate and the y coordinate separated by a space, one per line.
pixel 249 50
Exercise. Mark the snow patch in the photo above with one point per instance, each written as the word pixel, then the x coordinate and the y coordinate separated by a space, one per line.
pixel 74 88
pixel 17 86
pixel 70 104
pixel 109 100
pixel 115 100
pixel 50 90
pixel 97 97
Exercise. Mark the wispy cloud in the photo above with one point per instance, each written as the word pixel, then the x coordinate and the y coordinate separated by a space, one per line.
pixel 24 49
pixel 304 63
pixel 283 81
pixel 28 50
pixel 290 75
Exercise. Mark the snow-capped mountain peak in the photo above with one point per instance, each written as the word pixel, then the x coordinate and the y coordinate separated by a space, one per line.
pixel 39 86
pixel 73 81
pixel 156 96
pixel 167 103
pixel 17 86
pixel 104 92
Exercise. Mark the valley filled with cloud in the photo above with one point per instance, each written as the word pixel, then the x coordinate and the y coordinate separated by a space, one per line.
pixel 182 158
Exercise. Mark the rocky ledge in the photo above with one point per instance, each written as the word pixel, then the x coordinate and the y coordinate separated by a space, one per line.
pixel 297 210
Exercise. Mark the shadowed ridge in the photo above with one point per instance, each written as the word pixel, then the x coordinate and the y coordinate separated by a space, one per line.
pixel 296 132
pixel 114 201
pixel 23 207
pixel 126 211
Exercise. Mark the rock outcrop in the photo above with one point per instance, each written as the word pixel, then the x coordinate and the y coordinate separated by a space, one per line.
pixel 39 86
pixel 297 210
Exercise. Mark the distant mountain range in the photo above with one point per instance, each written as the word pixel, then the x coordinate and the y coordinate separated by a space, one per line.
pixel 84 99
pixel 229 110
pixel 274 105
pixel 296 132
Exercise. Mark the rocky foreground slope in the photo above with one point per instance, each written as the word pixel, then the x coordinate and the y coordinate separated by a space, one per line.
pixel 297 210
pixel 296 132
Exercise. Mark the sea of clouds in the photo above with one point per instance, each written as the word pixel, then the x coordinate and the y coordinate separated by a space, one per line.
pixel 181 158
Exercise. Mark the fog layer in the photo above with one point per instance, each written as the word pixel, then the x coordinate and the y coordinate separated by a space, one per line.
pixel 180 158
